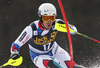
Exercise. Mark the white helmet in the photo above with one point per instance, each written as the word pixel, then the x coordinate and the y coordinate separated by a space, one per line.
pixel 47 9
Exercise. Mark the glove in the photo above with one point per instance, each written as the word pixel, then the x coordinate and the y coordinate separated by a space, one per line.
pixel 15 56
pixel 73 28
pixel 15 48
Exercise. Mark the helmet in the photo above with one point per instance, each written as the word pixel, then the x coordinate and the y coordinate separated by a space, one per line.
pixel 47 9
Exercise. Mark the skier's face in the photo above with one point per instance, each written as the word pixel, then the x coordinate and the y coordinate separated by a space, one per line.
pixel 47 25
pixel 48 20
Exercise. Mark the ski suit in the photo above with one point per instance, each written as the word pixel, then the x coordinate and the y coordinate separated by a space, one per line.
pixel 42 45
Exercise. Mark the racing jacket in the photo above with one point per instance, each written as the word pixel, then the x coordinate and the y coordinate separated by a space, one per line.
pixel 39 40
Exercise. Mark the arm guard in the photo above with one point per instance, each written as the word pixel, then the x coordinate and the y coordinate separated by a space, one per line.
pixel 62 28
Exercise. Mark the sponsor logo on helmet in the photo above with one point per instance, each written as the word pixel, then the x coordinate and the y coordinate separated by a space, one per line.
pixel 46 10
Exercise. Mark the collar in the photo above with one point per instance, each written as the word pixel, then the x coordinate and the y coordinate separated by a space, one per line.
pixel 40 26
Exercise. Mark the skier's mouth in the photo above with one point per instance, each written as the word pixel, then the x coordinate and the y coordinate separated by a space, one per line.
pixel 48 25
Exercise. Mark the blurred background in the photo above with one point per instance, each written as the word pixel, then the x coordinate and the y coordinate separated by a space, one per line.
pixel 15 15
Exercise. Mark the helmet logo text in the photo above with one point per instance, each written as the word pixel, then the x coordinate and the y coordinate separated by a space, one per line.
pixel 46 10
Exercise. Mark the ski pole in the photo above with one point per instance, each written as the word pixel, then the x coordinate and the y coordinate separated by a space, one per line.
pixel 62 28
pixel 85 36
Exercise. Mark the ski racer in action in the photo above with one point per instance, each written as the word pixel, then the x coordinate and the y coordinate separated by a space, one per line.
pixel 40 35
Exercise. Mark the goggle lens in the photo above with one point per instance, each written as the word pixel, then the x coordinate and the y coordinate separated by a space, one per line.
pixel 46 18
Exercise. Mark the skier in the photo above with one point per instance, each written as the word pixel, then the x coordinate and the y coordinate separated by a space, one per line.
pixel 40 35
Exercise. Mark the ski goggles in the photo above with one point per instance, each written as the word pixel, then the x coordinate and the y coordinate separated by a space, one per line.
pixel 47 18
